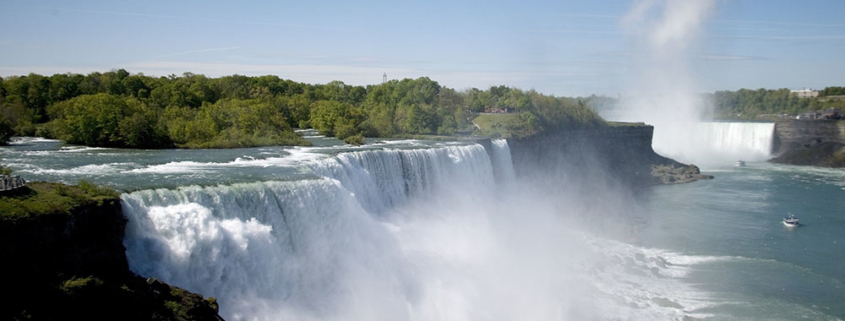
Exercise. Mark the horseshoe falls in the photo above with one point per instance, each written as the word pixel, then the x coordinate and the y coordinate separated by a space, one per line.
pixel 715 143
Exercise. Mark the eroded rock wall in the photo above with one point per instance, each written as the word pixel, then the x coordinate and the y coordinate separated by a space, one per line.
pixel 614 154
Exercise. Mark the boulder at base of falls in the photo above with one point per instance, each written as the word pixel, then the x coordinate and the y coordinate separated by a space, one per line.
pixel 672 174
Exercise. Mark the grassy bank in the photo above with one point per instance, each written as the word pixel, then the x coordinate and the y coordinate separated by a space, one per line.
pixel 62 250
pixel 494 125
pixel 41 198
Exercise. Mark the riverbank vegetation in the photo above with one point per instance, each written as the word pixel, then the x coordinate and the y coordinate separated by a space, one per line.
pixel 119 109
pixel 746 104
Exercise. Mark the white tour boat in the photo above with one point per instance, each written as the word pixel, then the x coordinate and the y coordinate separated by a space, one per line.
pixel 790 221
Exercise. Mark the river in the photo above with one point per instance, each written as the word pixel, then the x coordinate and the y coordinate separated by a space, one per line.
pixel 425 230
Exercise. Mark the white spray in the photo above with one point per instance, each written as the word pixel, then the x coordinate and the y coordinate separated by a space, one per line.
pixel 413 234
pixel 664 93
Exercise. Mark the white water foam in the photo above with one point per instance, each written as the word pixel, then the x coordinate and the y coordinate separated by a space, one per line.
pixel 386 178
pixel 717 143
pixel 295 158
pixel 395 235
pixel 93 169
pixel 23 140
pixel 502 163
pixel 80 149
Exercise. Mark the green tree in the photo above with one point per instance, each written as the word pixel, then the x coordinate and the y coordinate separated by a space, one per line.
pixel 6 131
pixel 326 114
pixel 106 120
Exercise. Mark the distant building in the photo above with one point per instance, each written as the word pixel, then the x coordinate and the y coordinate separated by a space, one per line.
pixel 805 93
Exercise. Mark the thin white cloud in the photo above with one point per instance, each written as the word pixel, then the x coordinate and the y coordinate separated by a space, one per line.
pixel 115 13
pixel 227 22
pixel 578 31
pixel 577 15
pixel 691 56
pixel 45 70
pixel 809 37
pixel 730 57
pixel 783 23
pixel 779 38
pixel 198 51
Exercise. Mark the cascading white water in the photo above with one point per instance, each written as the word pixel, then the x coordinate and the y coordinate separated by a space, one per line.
pixel 271 249
pixel 502 161
pixel 421 234
pixel 261 246
pixel 383 179
pixel 718 143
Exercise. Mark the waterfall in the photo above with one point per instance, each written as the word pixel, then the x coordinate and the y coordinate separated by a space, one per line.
pixel 278 249
pixel 396 234
pixel 252 246
pixel 752 139
pixel 502 163
pixel 716 143
pixel 383 179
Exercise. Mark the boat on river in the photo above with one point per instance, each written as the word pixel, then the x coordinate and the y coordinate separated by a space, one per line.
pixel 790 221
pixel 740 163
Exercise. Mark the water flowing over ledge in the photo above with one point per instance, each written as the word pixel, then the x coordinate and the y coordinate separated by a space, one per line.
pixel 429 233
pixel 717 143
pixel 294 241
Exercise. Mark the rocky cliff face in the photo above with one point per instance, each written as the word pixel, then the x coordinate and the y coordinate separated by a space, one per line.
pixel 619 155
pixel 87 242
pixel 796 134
pixel 810 142
pixel 71 265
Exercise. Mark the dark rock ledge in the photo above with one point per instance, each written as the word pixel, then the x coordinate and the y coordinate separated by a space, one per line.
pixel 62 258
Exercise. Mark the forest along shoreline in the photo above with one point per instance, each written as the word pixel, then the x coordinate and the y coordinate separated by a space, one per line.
pixel 125 110
pixel 119 109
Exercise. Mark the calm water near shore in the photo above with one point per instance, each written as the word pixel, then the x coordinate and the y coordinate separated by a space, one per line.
pixel 743 255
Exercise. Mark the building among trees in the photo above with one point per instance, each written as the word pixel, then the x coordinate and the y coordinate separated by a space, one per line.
pixel 805 93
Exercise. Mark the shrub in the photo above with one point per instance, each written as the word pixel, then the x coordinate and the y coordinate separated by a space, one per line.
pixel 355 140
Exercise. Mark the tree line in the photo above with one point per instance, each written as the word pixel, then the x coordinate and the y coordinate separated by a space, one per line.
pixel 120 109
pixel 746 104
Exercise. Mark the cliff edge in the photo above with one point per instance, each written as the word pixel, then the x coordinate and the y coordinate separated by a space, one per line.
pixel 620 153
pixel 810 142
pixel 64 259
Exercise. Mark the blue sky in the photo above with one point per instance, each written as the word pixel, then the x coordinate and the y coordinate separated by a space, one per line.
pixel 557 47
